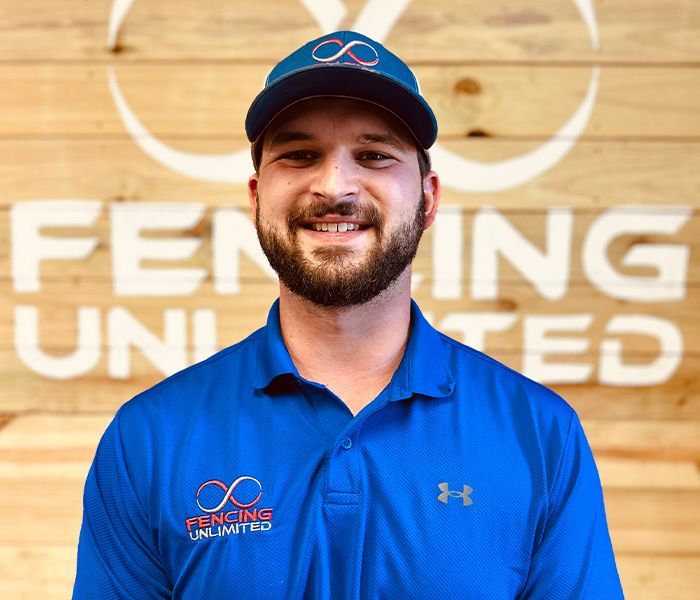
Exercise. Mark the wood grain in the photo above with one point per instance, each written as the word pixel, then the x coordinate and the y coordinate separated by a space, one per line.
pixel 659 173
pixel 211 100
pixel 448 31
pixel 503 78
pixel 40 450
pixel 22 389
pixel 531 224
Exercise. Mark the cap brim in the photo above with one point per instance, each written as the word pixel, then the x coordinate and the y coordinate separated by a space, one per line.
pixel 348 81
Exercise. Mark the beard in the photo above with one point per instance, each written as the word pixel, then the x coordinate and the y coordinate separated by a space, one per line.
pixel 335 280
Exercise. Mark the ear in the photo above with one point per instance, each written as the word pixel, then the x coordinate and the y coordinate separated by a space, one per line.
pixel 432 192
pixel 253 193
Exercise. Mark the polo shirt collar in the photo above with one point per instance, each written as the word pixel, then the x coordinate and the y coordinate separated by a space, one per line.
pixel 273 356
pixel 424 368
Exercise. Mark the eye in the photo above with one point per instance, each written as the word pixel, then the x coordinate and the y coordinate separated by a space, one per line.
pixel 298 155
pixel 374 156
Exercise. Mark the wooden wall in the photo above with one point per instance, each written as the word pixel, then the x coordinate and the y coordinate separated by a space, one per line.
pixel 504 78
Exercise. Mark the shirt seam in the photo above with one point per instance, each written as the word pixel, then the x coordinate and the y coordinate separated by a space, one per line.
pixel 555 481
pixel 144 510
pixel 487 359
pixel 549 494
pixel 212 359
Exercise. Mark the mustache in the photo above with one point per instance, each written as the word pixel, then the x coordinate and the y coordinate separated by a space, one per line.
pixel 318 209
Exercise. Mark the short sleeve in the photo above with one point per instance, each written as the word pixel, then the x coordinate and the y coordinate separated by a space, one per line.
pixel 117 557
pixel 574 559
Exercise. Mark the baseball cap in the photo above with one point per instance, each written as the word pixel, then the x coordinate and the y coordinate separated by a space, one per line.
pixel 347 64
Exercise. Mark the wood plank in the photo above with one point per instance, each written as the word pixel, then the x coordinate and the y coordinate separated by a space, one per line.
pixel 654 532
pixel 678 399
pixel 63 294
pixel 629 473
pixel 645 440
pixel 634 172
pixel 211 100
pixel 60 300
pixel 22 389
pixel 68 285
pixel 653 542
pixel 38 571
pixel 654 521
pixel 531 224
pixel 659 577
pixel 49 572
pixel 474 30
pixel 56 450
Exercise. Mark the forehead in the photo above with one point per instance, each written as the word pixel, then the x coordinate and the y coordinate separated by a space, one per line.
pixel 335 116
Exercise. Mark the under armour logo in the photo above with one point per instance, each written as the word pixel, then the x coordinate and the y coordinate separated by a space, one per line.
pixel 446 493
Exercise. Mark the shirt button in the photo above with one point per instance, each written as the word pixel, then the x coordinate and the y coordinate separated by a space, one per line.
pixel 347 443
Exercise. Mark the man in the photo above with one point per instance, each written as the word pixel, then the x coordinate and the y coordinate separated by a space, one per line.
pixel 346 449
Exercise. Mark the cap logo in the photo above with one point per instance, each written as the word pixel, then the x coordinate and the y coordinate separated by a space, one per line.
pixel 346 49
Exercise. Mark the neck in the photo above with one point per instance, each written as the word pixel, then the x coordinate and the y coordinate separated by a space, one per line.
pixel 355 350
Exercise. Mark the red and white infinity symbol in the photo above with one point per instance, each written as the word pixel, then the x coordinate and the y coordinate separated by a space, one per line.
pixel 229 493
pixel 346 49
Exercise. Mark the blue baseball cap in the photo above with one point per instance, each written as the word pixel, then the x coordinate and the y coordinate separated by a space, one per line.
pixel 347 64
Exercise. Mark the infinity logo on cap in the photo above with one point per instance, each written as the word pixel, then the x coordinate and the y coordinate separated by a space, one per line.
pixel 346 50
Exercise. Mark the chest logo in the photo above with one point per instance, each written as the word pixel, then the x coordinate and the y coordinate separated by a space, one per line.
pixel 229 509
pixel 447 493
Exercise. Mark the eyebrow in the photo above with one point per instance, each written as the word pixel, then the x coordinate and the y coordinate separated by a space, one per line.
pixel 382 138
pixel 286 136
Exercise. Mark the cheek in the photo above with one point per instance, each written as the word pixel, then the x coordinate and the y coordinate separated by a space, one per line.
pixel 273 199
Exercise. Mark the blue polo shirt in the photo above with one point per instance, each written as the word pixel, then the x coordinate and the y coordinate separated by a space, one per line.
pixel 237 478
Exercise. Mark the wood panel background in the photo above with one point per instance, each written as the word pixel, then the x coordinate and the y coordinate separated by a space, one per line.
pixel 503 78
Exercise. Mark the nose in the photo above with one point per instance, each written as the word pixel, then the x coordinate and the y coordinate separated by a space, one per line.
pixel 336 178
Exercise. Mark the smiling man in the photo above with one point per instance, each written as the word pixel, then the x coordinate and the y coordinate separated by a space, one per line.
pixel 347 449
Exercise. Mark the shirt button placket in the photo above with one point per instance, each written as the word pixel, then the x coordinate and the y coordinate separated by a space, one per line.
pixel 343 473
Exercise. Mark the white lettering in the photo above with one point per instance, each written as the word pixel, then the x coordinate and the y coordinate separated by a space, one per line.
pixel 612 369
pixel 203 334
pixel 537 345
pixel 669 260
pixel 168 355
pixel 474 326
pixel 29 247
pixel 80 361
pixel 233 233
pixel 447 254
pixel 129 219
pixel 494 235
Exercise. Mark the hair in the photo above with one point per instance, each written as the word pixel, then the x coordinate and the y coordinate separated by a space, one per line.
pixel 424 162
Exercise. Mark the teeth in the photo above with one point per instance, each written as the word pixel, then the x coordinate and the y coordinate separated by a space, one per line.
pixel 334 227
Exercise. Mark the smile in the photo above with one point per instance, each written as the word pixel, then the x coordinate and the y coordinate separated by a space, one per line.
pixel 335 226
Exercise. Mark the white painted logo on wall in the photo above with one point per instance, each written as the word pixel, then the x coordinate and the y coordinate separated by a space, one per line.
pixel 376 20
pixel 190 335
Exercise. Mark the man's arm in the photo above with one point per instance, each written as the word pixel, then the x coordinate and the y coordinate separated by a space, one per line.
pixel 574 559
pixel 116 552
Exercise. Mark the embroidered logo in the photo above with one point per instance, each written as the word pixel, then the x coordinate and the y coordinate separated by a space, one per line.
pixel 448 493
pixel 372 57
pixel 244 494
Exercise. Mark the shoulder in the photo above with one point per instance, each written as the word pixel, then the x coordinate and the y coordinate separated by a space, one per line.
pixel 513 393
pixel 202 383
